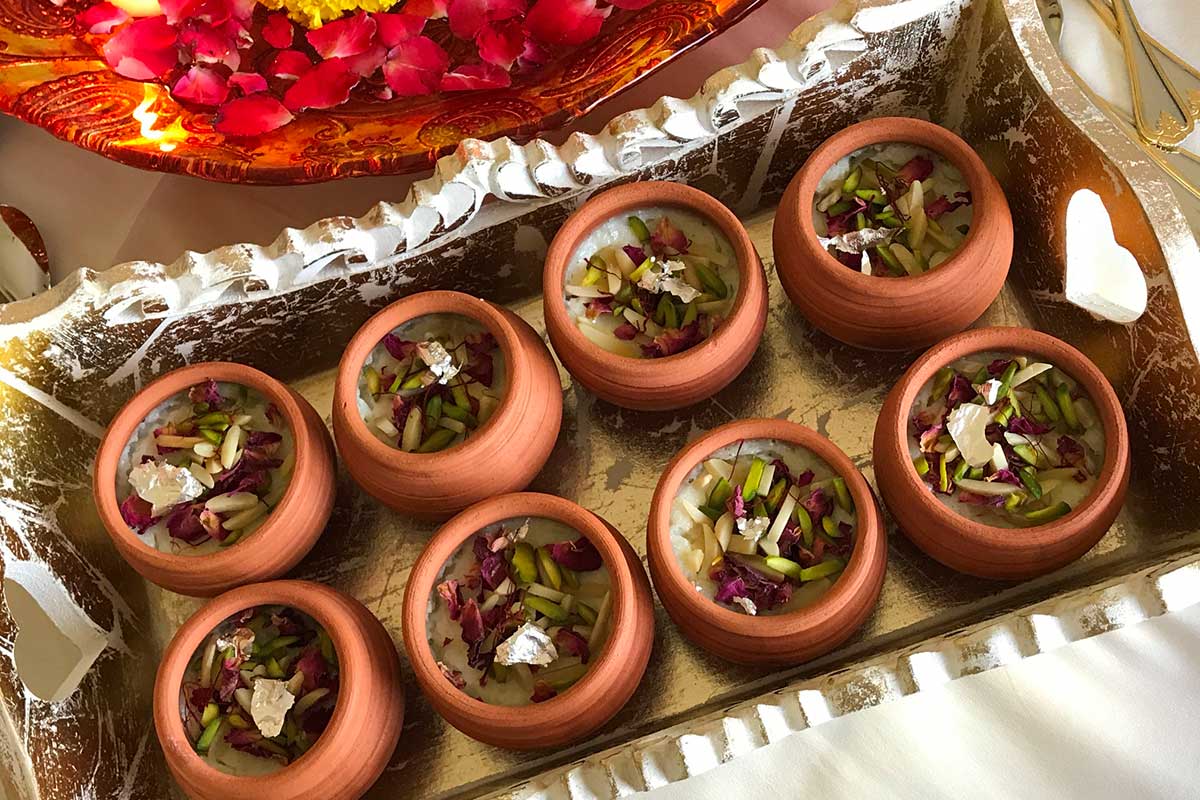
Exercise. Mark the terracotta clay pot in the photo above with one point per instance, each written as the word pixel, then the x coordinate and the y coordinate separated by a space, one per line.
pixel 972 547
pixel 887 313
pixel 290 530
pixel 613 676
pixel 351 753
pixel 776 639
pixel 503 455
pixel 656 384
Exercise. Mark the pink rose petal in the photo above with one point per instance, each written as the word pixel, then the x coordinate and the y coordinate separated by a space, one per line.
pixel 289 64
pixel 475 76
pixel 247 82
pixel 344 37
pixel 242 9
pixel 202 86
pixel 251 116
pixel 430 9
pixel 102 18
pixel 391 29
pixel 501 43
pixel 567 22
pixel 326 85
pixel 416 66
pixel 367 63
pixel 467 17
pixel 506 9
pixel 211 45
pixel 144 49
pixel 278 31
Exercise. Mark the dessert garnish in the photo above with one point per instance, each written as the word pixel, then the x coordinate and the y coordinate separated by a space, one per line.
pixel 428 394
pixel 532 617
pixel 1014 439
pixel 761 534
pixel 264 684
pixel 892 217
pixel 210 472
pixel 653 292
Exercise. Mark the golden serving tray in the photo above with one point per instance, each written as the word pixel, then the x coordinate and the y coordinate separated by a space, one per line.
pixel 985 68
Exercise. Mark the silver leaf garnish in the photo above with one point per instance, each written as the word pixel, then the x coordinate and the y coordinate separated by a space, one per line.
pixel 439 361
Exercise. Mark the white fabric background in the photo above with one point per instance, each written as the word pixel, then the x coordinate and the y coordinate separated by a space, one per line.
pixel 1114 716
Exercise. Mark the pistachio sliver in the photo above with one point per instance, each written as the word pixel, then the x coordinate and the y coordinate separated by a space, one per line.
pixel 524 563
pixel 545 607
pixel 1049 514
pixel 548 569
pixel 1067 406
pixel 440 439
pixel 639 229
pixel 786 566
pixel 830 566
pixel 210 733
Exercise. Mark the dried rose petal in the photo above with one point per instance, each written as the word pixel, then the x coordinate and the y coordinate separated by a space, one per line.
pixel 625 332
pixel 472 622
pixel 493 570
pixel 392 29
pixel 184 523
pixel 1070 451
pixel 736 504
pixel 326 85
pixel 416 66
pixel 571 642
pixel 917 169
pixel 136 513
pixel 454 676
pixel 144 49
pixel 668 239
pixel 289 64
pixel 1027 426
pixel 251 116
pixel 202 86
pixel 313 665
pixel 247 82
pixel 542 692
pixel 102 18
pixel 818 505
pixel 674 340
pixel 278 31
pixel 344 37
pixel 501 43
pixel 597 306
pixel 207 392
pixel 567 22
pixel 450 592
pixel 580 555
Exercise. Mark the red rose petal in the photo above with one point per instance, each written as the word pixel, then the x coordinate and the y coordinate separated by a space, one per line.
pixel 467 17
pixel 278 31
pixel 366 64
pixel 144 49
pixel 211 45
pixel 241 9
pixel 392 29
pixel 102 18
pixel 202 86
pixel 533 54
pixel 416 66
pixel 501 43
pixel 343 37
pixel 430 9
pixel 176 11
pixel 247 82
pixel 289 64
pixel 568 22
pixel 505 9
pixel 251 116
pixel 475 76
pixel 326 85
pixel 631 5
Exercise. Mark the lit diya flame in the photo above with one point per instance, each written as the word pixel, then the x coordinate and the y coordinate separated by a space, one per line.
pixel 148 119
pixel 138 8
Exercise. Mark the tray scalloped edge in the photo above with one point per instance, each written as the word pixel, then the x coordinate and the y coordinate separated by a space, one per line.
pixel 702 744
pixel 440 208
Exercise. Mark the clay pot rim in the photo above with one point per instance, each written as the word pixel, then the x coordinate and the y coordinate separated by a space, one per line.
pixel 136 411
pixel 870 532
pixel 398 313
pixel 1063 356
pixel 306 596
pixel 635 195
pixel 882 130
pixel 456 532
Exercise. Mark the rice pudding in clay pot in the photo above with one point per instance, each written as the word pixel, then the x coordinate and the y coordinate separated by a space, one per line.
pixel 662 300
pixel 285 689
pixel 205 469
pixel 900 199
pixel 763 526
pixel 528 621
pixel 1003 452
pixel 765 544
pixel 653 284
pixel 443 399
pixel 214 475
pixel 520 612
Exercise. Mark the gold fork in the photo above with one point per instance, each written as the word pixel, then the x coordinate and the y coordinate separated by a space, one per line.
pixel 1160 114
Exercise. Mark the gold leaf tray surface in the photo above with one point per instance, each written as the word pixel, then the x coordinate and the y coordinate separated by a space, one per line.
pixel 70 358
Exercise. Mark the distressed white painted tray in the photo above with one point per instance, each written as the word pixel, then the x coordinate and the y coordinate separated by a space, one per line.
pixel 984 68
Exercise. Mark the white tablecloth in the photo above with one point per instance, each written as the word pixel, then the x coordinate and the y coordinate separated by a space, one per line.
pixel 1114 716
